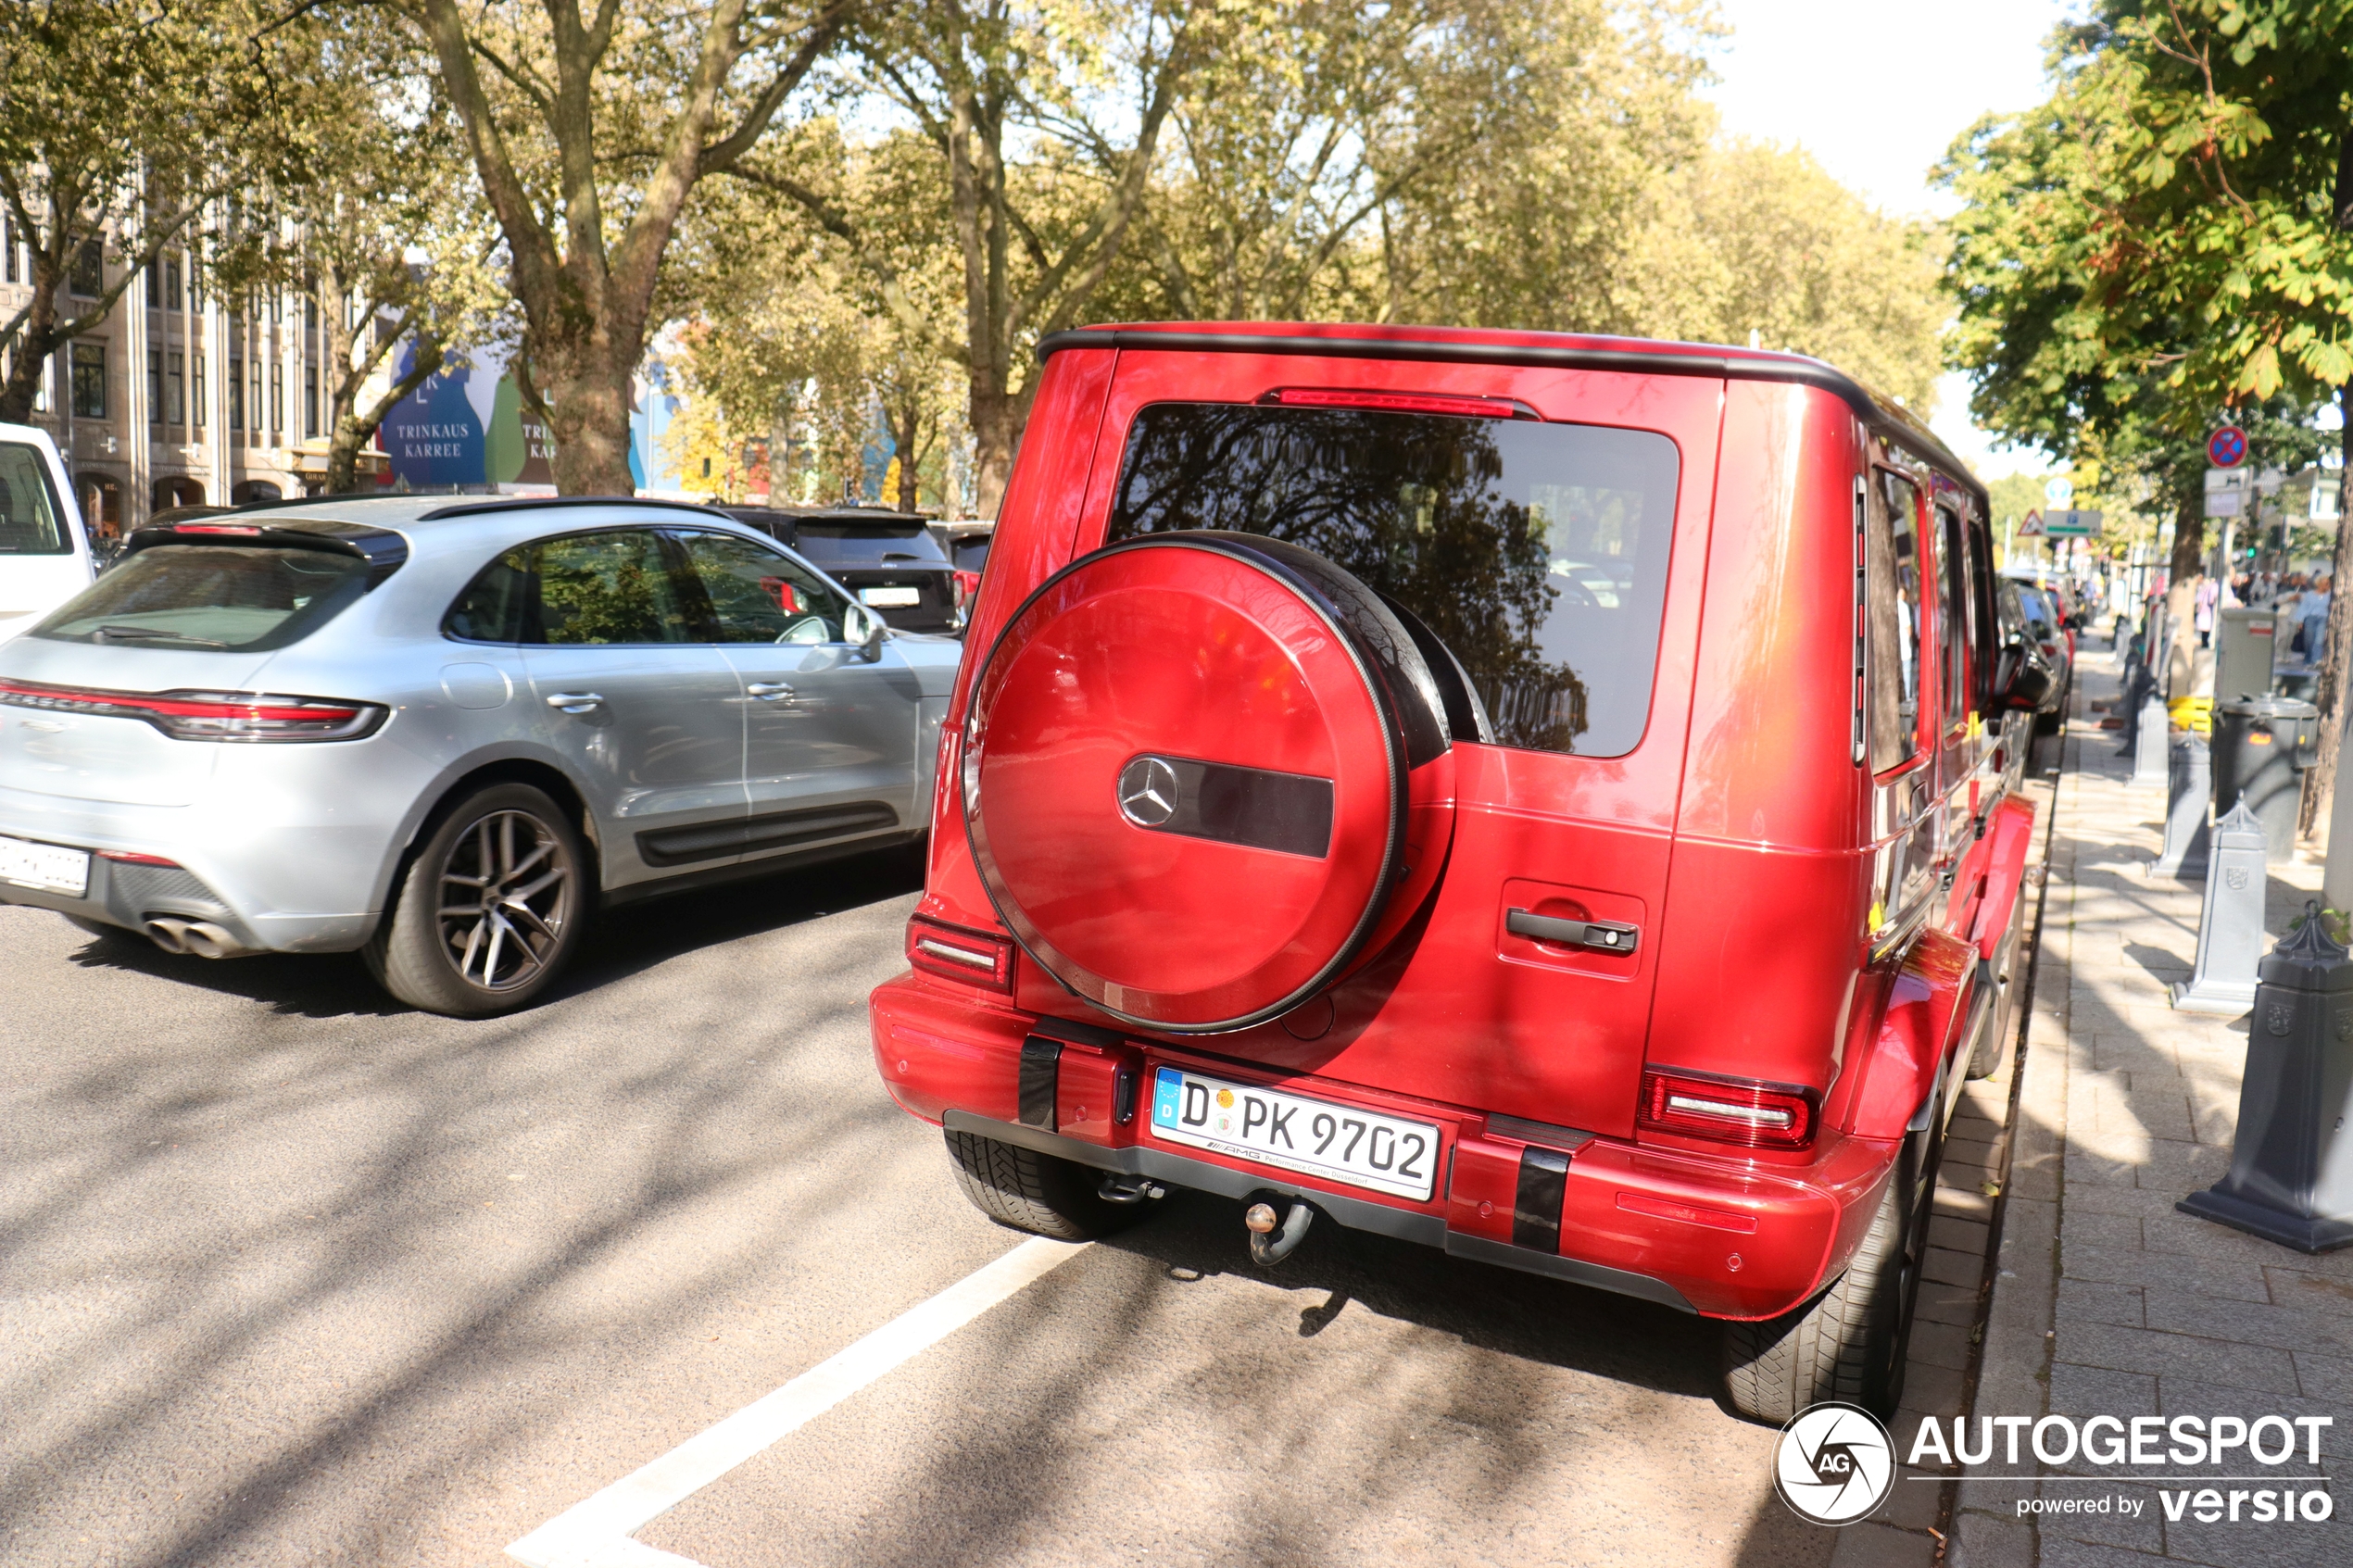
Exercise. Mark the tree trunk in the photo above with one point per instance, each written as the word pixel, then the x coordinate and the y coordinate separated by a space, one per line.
pixel 28 358
pixel 2319 783
pixel 587 397
pixel 996 428
pixel 2187 565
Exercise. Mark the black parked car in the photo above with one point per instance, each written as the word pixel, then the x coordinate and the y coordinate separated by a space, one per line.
pixel 890 559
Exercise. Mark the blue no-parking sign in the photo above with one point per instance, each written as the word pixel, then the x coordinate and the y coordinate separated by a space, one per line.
pixel 2226 448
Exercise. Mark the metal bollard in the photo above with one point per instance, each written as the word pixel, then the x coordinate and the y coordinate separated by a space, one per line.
pixel 2189 785
pixel 2291 1178
pixel 2149 748
pixel 2230 922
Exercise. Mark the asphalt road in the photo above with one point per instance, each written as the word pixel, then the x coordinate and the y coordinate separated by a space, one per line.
pixel 291 1276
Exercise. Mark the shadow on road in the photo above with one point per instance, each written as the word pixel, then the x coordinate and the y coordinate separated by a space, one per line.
pixel 620 941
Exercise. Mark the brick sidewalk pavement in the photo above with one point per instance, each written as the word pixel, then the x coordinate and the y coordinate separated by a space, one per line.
pixel 2107 1301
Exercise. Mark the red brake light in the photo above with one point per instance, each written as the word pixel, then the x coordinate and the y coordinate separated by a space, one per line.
pixel 1756 1115
pixel 240 528
pixel 1402 402
pixel 133 858
pixel 973 958
pixel 224 716
pixel 967 584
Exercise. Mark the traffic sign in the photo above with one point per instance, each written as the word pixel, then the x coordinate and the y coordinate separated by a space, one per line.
pixel 2033 527
pixel 2071 525
pixel 2226 448
pixel 2059 491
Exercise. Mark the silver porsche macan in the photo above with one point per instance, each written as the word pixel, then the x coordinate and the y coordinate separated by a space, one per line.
pixel 443 731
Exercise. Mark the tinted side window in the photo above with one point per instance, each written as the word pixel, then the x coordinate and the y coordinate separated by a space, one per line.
pixel 1537 552
pixel 1892 617
pixel 1951 615
pixel 762 595
pixel 496 607
pixel 608 588
pixel 30 521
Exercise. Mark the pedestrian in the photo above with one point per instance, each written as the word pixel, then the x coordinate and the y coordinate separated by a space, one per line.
pixel 2312 608
pixel 2208 593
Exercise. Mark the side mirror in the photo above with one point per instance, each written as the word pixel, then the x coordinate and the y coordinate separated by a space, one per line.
pixel 2021 680
pixel 866 628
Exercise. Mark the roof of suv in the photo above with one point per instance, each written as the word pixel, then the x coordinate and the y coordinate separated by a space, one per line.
pixel 1886 417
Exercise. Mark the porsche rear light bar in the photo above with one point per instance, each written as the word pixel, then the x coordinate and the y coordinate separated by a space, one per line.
pixel 1401 402
pixel 951 952
pixel 216 716
pixel 1754 1114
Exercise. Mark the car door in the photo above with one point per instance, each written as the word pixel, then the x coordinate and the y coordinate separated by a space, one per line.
pixel 650 717
pixel 830 735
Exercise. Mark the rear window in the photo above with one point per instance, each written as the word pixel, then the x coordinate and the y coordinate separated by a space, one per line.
pixel 868 544
pixel 971 553
pixel 30 521
pixel 238 597
pixel 1536 552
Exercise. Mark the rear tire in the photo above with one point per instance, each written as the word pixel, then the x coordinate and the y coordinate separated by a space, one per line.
pixel 1849 1342
pixel 1039 1192
pixel 489 909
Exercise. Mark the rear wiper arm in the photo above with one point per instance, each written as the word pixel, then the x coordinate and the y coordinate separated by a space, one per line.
pixel 899 554
pixel 150 634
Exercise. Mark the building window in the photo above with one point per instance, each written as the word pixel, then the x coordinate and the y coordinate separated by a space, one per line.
pixel 255 403
pixel 154 387
pixel 197 390
pixel 8 246
pixel 310 401
pixel 277 400
pixel 171 283
pixel 89 275
pixel 89 381
pixel 236 393
pixel 154 286
pixel 175 389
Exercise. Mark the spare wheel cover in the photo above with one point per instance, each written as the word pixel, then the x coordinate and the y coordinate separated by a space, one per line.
pixel 1185 776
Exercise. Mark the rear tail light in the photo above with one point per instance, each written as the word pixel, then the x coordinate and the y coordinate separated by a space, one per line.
pixel 967 585
pixel 133 858
pixel 1727 1109
pixel 973 958
pixel 222 716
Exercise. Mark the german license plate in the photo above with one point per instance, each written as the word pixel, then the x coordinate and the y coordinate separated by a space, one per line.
pixel 50 867
pixel 890 598
pixel 1341 1143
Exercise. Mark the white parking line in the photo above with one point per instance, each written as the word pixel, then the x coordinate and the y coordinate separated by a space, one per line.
pixel 595 1532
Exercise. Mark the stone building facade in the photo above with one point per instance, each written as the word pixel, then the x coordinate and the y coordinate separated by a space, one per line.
pixel 179 397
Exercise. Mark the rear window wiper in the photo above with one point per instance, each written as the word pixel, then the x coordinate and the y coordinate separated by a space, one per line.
pixel 899 554
pixel 151 634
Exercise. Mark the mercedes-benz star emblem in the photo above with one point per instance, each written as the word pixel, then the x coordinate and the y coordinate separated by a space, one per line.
pixel 1148 792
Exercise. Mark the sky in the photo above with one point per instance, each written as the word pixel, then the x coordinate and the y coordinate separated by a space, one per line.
pixel 1878 92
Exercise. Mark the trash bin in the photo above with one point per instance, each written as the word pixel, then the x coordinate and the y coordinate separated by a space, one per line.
pixel 2261 748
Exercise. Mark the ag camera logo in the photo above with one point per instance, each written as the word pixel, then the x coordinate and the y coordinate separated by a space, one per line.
pixel 1834 1463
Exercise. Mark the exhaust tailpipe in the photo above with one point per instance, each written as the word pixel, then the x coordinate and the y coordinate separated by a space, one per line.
pixel 209 941
pixel 200 938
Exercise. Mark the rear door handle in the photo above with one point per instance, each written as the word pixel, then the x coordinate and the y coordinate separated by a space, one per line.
pixel 576 702
pixel 1595 936
pixel 768 691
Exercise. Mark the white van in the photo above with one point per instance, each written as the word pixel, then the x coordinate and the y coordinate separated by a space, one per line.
pixel 45 556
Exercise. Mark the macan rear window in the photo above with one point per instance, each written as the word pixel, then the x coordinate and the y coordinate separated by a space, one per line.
pixel 227 596
pixel 1537 552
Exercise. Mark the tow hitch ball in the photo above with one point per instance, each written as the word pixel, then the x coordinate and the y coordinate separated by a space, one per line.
pixel 1270 1245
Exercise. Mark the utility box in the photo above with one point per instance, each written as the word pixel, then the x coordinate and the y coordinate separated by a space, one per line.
pixel 2243 654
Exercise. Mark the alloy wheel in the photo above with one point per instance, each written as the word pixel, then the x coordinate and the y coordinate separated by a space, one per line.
pixel 505 893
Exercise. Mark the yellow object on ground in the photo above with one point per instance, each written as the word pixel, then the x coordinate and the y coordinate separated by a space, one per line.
pixel 2195 714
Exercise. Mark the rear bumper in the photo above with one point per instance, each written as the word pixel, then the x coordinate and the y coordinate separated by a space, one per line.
pixel 290 881
pixel 1719 1235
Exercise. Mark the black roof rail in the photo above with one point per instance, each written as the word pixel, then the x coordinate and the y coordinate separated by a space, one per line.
pixel 540 503
pixel 1893 423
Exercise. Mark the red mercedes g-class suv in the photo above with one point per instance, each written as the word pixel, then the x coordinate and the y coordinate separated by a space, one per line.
pixel 1548 797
